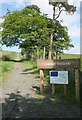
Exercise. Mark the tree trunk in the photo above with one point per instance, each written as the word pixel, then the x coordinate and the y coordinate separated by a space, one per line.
pixel 44 54
pixel 56 53
pixel 50 49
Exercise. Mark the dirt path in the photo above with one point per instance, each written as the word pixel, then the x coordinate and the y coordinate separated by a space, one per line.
pixel 18 82
pixel 20 100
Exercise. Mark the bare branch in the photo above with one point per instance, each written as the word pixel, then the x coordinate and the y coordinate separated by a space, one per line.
pixel 59 13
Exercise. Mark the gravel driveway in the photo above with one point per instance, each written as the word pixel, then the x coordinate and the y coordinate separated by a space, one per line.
pixel 19 99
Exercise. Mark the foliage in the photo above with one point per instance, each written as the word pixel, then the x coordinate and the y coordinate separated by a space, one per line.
pixel 31 30
pixel 59 7
pixel 61 40
pixel 6 57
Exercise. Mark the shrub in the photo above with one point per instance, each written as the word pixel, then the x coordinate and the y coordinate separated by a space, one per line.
pixel 6 57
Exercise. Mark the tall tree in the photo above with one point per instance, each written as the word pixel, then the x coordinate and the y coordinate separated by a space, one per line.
pixel 61 40
pixel 58 8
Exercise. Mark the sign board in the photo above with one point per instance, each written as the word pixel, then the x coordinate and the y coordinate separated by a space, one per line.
pixel 63 63
pixel 59 77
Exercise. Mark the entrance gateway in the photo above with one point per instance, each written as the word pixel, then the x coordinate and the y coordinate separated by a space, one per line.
pixel 60 64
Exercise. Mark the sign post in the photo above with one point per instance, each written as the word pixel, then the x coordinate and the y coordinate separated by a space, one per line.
pixel 41 81
pixel 60 64
pixel 59 77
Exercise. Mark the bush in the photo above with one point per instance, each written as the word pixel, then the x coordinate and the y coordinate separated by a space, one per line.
pixel 6 57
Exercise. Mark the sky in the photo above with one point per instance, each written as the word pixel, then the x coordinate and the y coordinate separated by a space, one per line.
pixel 71 21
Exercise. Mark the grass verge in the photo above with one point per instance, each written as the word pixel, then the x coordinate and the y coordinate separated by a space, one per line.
pixel 6 67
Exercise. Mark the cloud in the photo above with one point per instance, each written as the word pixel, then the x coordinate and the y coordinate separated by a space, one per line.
pixel 9 1
pixel 17 3
pixel 70 19
pixel 44 7
pixel 75 50
pixel 1 20
pixel 75 31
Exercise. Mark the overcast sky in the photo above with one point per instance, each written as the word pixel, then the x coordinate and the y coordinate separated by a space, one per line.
pixel 71 21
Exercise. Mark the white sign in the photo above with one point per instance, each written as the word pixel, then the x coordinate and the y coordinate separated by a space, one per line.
pixel 59 77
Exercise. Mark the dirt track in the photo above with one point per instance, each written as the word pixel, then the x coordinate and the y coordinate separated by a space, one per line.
pixel 20 100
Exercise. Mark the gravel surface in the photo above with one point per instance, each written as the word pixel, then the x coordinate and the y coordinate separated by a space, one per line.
pixel 19 99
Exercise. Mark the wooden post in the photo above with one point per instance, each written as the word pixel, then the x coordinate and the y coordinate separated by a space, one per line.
pixel 41 81
pixel 53 89
pixel 77 85
pixel 44 54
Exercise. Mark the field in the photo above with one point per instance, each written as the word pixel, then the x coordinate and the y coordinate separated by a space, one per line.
pixel 69 56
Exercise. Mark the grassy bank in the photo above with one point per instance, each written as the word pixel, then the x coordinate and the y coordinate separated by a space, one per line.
pixel 5 68
pixel 5 63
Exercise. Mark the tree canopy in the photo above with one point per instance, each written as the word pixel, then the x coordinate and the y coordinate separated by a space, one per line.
pixel 31 30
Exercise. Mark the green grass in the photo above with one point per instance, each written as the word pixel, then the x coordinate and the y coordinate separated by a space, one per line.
pixel 69 56
pixel 5 68
pixel 29 64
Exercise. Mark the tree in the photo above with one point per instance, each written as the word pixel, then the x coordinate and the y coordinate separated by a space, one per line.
pixel 61 40
pixel 26 28
pixel 58 8
pixel 31 30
